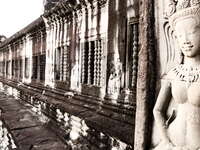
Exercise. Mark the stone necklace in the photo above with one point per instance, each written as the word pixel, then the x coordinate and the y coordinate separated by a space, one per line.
pixel 187 74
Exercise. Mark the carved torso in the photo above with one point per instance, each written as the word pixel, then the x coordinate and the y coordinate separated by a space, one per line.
pixel 184 131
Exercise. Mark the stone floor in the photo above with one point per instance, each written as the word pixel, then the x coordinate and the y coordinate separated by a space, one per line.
pixel 77 120
pixel 28 130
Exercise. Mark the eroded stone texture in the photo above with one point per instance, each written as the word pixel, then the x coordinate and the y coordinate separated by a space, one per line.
pixel 49 4
pixel 27 130
pixel 146 76
pixel 76 125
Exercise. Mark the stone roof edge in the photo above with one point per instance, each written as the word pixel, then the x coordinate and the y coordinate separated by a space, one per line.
pixel 57 7
pixel 69 6
pixel 24 31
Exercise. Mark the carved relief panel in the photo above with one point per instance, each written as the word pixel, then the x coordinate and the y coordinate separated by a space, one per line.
pixel 176 111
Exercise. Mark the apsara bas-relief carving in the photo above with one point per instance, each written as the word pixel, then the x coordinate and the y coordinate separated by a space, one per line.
pixel 177 109
pixel 114 82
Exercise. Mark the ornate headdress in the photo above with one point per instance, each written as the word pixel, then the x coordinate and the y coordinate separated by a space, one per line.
pixel 182 9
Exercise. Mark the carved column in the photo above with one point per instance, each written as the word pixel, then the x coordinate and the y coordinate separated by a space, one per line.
pixel 61 49
pixel 23 57
pixel 48 49
pixel 10 62
pixel 146 76
pixel 52 54
pixel 40 52
pixel 28 58
pixel 57 47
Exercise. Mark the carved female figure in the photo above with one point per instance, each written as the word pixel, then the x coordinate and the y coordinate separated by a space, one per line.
pixel 115 79
pixel 181 131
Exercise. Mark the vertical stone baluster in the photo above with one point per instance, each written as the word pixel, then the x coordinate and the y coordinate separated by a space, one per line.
pixel 89 62
pixel 95 61
pixel 135 55
pixel 83 63
pixel 99 61
pixel 65 49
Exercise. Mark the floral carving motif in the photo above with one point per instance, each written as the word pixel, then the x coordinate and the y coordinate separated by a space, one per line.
pixel 183 4
pixel 171 8
pixel 194 2
pixel 173 5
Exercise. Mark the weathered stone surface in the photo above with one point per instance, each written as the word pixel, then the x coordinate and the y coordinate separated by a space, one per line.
pixel 88 48
pixel 100 119
pixel 48 4
pixel 28 131
pixel 177 109
pixel 146 76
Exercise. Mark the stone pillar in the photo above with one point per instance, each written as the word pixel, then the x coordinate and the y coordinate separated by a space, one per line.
pixel 49 41
pixel 61 48
pixel 83 28
pixel 53 50
pixel 64 48
pixel 28 55
pixel 51 26
pixel 48 33
pixel 10 62
pixel 57 38
pixel 23 58
pixel 146 76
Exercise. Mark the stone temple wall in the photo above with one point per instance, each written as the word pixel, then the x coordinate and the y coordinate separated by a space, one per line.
pixel 83 54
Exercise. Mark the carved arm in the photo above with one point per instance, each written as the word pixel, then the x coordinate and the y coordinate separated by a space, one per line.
pixel 160 109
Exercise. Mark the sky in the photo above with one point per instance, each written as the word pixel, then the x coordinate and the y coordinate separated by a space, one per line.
pixel 17 14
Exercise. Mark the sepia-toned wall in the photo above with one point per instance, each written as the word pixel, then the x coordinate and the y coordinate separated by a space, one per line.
pixel 89 48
